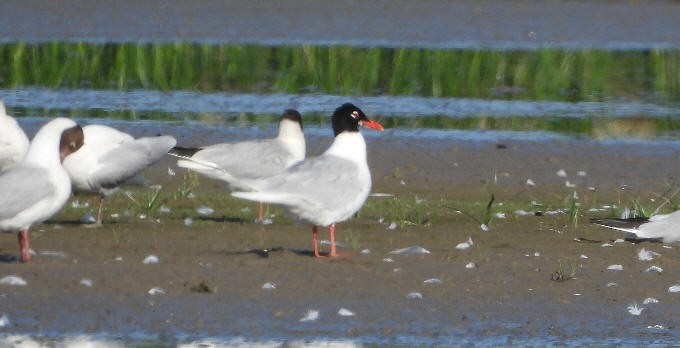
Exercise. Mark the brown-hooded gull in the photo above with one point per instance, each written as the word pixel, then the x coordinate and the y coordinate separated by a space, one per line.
pixel 109 158
pixel 236 162
pixel 34 189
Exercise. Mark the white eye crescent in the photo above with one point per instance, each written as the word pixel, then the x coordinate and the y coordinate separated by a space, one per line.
pixel 355 115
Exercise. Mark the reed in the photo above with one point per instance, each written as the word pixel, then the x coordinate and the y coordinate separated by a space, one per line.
pixel 544 74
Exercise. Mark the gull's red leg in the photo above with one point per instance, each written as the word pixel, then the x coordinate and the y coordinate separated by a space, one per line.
pixel 331 231
pixel 25 251
pixel 260 213
pixel 315 235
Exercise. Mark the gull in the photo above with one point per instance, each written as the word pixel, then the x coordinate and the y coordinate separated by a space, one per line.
pixel 327 189
pixel 36 188
pixel 109 158
pixel 236 162
pixel 664 227
pixel 13 140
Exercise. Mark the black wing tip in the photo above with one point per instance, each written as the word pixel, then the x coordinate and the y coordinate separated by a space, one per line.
pixel 620 223
pixel 183 152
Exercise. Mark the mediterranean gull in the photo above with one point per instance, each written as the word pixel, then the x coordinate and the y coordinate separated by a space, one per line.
pixel 327 189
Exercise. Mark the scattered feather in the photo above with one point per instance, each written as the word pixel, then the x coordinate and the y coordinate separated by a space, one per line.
pixel 471 265
pixel 521 212
pixel 606 245
pixel 86 282
pixel 561 173
pixel 365 251
pixel 266 221
pixel 381 194
pixel 656 327
pixel 414 295
pixel 205 210
pixel 615 268
pixel 171 172
pixel 392 226
pixel 151 259
pixel 311 315
pixel 530 182
pixel 647 255
pixel 484 227
pixel 620 240
pixel 581 173
pixel 59 254
pixel 612 284
pixel 4 321
pixel 433 281
pixel 164 210
pixel 188 221
pixel 388 260
pixel 410 250
pixel 674 288
pixel 465 245
pixel 269 286
pixel 667 247
pixel 156 291
pixel 569 184
pixel 583 256
pixel 119 258
pixel 634 309
pixel 500 216
pixel 13 280
pixel 649 300
pixel 654 269
pixel 344 312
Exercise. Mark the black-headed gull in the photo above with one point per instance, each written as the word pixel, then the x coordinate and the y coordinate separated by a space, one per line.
pixel 109 158
pixel 34 189
pixel 327 189
pixel 13 140
pixel 235 162
pixel 664 227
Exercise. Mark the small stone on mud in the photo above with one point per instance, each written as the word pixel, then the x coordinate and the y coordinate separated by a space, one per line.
pixel 311 315
pixel 344 312
pixel 654 269
pixel 433 281
pixel 13 280
pixel 151 259
pixel 410 250
pixel 649 300
pixel 156 291
pixel 88 219
pixel 471 265
pixel 415 296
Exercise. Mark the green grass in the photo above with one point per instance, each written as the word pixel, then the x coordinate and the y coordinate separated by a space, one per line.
pixel 544 74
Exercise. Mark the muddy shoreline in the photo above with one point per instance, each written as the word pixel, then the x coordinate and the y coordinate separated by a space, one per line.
pixel 213 285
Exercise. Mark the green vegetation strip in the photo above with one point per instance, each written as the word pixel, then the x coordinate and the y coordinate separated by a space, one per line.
pixel 544 74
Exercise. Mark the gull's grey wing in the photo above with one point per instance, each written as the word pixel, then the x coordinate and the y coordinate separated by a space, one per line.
pixel 21 187
pixel 128 159
pixel 248 159
pixel 325 181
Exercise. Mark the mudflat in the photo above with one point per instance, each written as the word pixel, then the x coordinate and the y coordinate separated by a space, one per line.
pixel 529 276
